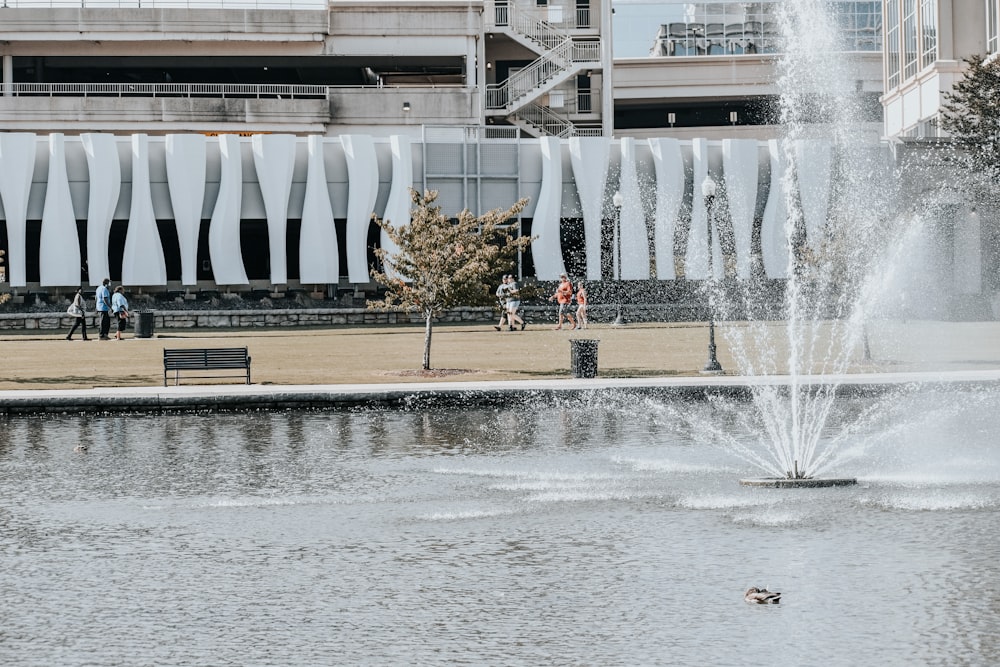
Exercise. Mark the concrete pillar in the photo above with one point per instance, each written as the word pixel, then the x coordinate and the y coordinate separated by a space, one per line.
pixel 607 60
pixel 8 76
pixel 471 61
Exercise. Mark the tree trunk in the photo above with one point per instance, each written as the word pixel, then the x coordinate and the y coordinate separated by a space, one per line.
pixel 427 344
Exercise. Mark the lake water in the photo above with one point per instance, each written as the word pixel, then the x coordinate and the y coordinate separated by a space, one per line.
pixel 593 532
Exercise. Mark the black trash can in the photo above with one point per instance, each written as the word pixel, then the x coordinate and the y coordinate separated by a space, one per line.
pixel 583 357
pixel 144 324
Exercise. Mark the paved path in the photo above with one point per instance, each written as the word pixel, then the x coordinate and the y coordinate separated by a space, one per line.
pixel 350 366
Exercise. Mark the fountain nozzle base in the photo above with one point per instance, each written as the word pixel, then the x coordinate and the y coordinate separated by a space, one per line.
pixel 798 482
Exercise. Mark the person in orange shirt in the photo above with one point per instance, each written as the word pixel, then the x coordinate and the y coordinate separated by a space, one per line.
pixel 581 306
pixel 564 295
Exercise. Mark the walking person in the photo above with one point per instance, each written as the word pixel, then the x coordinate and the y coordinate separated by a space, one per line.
pixel 581 305
pixel 564 296
pixel 501 295
pixel 514 304
pixel 119 306
pixel 78 309
pixel 103 297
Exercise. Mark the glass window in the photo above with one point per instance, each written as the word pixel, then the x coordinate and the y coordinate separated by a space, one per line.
pixel 909 38
pixel 992 28
pixel 709 28
pixel 892 32
pixel 870 27
pixel 928 31
pixel 860 24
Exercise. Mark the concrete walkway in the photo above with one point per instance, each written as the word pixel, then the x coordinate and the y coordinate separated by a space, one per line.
pixel 379 365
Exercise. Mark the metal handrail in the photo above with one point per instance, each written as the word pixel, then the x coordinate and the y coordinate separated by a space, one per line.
pixel 551 123
pixel 536 29
pixel 506 14
pixel 319 5
pixel 222 90
pixel 546 120
pixel 541 71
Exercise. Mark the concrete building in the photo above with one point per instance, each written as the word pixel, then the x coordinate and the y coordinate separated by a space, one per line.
pixel 244 144
pixel 378 67
pixel 134 127
pixel 925 43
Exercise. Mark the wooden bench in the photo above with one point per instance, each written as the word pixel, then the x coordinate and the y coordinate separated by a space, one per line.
pixel 206 359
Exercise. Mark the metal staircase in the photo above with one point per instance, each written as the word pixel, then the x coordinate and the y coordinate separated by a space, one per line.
pixel 561 57
pixel 541 121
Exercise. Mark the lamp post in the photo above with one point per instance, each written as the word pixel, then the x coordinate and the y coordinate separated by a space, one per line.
pixel 617 200
pixel 708 188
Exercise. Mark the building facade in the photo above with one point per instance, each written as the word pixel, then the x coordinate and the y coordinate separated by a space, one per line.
pixel 245 145
pixel 925 44
pixel 713 70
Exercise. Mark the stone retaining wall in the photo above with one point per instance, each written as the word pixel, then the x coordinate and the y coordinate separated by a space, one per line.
pixel 190 319
pixel 296 317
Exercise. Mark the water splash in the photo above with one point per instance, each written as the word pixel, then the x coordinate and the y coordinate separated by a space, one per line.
pixel 838 266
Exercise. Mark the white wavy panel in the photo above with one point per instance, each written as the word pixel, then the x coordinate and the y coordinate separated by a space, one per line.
pixel 105 186
pixel 59 246
pixel 143 262
pixel 17 165
pixel 362 177
pixel 632 223
pixel 224 228
pixel 274 160
pixel 590 157
pixel 773 230
pixel 696 253
pixel 397 208
pixel 669 164
pixel 186 168
pixel 545 249
pixel 739 167
pixel 814 168
pixel 319 257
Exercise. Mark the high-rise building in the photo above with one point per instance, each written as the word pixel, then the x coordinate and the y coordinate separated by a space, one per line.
pixel 714 69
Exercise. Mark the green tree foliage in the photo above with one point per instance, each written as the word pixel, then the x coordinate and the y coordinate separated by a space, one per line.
pixel 971 115
pixel 443 262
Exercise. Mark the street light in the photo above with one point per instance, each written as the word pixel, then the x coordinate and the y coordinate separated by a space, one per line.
pixel 708 188
pixel 617 200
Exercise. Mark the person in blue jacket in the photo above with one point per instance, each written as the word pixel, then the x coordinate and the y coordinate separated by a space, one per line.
pixel 103 297
pixel 119 306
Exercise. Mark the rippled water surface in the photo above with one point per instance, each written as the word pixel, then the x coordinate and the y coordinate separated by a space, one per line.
pixel 601 532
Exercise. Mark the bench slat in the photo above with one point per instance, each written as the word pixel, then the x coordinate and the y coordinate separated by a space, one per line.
pixel 219 358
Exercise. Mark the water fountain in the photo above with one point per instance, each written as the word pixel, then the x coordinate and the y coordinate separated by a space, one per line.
pixel 846 238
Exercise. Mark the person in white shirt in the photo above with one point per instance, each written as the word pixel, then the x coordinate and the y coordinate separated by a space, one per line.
pixel 513 304
pixel 501 295
pixel 79 311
